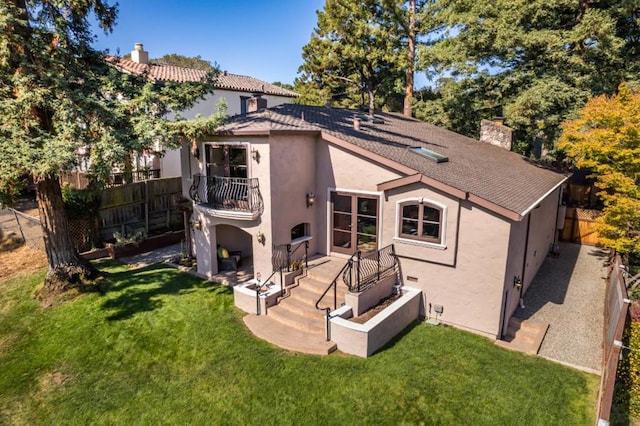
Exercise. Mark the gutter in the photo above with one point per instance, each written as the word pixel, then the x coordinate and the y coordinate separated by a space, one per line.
pixel 539 200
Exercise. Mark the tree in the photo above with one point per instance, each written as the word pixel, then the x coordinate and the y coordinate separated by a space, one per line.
pixel 354 50
pixel 184 61
pixel 606 139
pixel 534 62
pixel 57 94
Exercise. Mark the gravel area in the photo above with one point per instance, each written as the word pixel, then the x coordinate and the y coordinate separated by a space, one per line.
pixel 568 293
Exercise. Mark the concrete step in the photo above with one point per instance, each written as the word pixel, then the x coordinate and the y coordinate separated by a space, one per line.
pixel 325 269
pixel 310 295
pixel 524 335
pixel 298 306
pixel 267 328
pixel 312 321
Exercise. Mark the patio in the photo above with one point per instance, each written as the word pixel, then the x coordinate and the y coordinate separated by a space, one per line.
pixel 568 293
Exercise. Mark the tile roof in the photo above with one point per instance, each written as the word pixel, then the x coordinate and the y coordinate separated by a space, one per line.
pixel 504 178
pixel 225 80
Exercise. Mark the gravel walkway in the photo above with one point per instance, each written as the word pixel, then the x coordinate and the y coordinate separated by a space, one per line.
pixel 568 293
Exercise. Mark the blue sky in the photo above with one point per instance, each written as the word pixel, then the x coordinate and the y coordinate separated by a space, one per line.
pixel 262 39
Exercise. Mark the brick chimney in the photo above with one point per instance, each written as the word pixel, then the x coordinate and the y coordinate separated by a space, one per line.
pixel 496 133
pixel 256 103
pixel 139 55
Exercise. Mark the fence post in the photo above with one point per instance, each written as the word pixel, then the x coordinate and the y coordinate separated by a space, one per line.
pixel 146 207
pixel 15 215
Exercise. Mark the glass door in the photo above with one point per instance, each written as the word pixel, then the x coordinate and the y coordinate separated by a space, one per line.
pixel 354 223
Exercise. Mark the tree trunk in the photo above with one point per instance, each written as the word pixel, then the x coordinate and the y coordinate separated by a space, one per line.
pixel 372 99
pixel 411 55
pixel 66 269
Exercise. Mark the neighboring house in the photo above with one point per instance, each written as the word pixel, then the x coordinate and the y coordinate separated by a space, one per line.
pixel 469 221
pixel 235 89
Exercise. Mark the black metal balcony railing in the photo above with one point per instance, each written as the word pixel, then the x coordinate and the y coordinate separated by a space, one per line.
pixel 227 193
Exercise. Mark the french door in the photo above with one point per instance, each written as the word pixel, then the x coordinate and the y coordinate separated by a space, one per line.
pixel 354 222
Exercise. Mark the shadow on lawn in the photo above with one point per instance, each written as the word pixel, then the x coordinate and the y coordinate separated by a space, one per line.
pixel 140 290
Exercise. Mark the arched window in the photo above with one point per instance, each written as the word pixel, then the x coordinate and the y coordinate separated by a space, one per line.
pixel 421 221
pixel 299 231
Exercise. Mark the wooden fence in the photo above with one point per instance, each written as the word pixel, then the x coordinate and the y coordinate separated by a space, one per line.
pixel 615 315
pixel 579 226
pixel 149 205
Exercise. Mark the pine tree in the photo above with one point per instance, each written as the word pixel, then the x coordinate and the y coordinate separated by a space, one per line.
pixel 354 50
pixel 533 62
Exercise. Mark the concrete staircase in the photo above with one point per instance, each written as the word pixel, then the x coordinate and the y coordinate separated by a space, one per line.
pixel 295 323
pixel 524 335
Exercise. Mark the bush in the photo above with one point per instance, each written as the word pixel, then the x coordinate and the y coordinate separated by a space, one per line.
pixel 627 389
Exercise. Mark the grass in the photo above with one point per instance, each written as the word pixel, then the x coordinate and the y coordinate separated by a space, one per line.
pixel 162 347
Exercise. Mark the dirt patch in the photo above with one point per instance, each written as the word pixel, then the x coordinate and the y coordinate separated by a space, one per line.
pixel 367 315
pixel 49 381
pixel 17 258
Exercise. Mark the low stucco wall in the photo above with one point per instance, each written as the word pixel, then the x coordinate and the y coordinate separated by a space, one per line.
pixel 361 302
pixel 245 298
pixel 365 339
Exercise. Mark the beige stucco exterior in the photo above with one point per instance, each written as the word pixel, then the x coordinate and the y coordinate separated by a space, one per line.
pixel 470 273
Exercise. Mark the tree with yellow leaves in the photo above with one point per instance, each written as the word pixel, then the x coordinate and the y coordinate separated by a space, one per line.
pixel 606 139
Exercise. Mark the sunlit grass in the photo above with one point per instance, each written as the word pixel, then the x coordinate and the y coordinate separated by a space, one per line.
pixel 162 347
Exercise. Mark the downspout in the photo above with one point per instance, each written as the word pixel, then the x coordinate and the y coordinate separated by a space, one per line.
pixel 524 261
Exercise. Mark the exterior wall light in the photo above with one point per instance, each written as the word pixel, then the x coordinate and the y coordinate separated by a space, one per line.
pixel 311 199
pixel 261 237
pixel 197 224
pixel 255 154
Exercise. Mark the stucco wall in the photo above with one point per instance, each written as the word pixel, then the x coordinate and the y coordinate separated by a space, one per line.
pixel 170 165
pixel 444 254
pixel 541 223
pixel 338 168
pixel 470 291
pixel 205 240
pixel 515 261
pixel 207 106
pixel 542 231
pixel 293 173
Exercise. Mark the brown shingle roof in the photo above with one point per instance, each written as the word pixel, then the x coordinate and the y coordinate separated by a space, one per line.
pixel 225 81
pixel 503 178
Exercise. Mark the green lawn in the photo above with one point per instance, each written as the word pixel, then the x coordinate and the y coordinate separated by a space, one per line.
pixel 162 347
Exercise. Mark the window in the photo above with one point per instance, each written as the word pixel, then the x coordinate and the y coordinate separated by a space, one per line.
pixel 420 221
pixel 226 160
pixel 244 104
pixel 299 231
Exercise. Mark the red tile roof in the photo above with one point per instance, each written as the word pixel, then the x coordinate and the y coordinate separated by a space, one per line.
pixel 503 178
pixel 225 81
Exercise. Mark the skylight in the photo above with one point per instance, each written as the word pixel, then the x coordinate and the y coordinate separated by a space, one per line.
pixel 431 155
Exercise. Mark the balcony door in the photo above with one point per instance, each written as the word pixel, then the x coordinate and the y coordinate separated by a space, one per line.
pixel 354 223
pixel 227 161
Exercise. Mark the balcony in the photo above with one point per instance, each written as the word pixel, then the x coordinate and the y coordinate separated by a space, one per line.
pixel 230 197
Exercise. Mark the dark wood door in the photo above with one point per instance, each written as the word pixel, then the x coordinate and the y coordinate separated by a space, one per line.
pixel 354 223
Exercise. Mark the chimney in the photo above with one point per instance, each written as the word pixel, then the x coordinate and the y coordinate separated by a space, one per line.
pixel 256 103
pixel 496 133
pixel 139 55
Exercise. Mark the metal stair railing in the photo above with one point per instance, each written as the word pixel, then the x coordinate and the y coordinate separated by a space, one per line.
pixel 368 271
